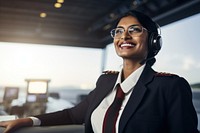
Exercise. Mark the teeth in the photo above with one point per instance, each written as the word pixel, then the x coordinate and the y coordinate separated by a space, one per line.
pixel 127 45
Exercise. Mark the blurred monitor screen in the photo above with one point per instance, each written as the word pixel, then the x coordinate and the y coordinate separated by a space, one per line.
pixel 37 87
pixel 31 98
pixel 11 93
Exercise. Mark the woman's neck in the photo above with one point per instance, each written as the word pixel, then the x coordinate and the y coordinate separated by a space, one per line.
pixel 129 66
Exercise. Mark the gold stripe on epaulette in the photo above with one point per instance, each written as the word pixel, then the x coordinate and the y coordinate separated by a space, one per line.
pixel 164 74
pixel 110 72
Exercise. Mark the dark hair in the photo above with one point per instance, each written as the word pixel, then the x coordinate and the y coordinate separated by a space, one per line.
pixel 147 23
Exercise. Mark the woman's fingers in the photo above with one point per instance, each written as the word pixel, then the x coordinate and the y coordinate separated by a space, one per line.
pixel 12 125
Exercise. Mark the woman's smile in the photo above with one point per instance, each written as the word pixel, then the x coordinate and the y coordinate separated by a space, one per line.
pixel 127 45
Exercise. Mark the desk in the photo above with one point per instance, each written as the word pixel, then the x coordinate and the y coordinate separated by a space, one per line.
pixel 50 129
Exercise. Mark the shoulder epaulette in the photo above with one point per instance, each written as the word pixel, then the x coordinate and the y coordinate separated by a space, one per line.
pixel 110 72
pixel 164 74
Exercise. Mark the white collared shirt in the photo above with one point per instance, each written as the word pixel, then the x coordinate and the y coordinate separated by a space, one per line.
pixel 127 86
pixel 98 114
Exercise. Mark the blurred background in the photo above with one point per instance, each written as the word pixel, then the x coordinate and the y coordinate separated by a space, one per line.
pixel 52 52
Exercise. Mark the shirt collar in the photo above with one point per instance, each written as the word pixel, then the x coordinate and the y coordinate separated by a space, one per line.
pixel 132 79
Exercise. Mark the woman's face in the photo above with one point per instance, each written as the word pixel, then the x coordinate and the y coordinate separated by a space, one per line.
pixel 129 46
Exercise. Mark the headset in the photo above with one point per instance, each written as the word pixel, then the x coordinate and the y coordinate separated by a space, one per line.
pixel 155 42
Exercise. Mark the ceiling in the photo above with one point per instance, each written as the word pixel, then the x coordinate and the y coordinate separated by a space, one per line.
pixel 81 23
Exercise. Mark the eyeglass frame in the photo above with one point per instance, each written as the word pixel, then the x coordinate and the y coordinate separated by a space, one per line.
pixel 128 30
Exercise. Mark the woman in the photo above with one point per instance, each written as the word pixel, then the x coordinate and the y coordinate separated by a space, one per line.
pixel 153 103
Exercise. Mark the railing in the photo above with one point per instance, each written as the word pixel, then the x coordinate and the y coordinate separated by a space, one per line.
pixel 50 129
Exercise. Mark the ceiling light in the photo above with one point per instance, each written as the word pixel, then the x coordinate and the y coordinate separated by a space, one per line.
pixel 106 27
pixel 57 5
pixel 43 15
pixel 112 15
pixel 60 1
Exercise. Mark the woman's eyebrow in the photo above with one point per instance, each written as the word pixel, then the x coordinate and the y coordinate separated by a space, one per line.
pixel 120 27
pixel 129 26
pixel 135 25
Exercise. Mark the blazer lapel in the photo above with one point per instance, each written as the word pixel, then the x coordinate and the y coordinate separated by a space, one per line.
pixel 101 90
pixel 136 97
pixel 104 88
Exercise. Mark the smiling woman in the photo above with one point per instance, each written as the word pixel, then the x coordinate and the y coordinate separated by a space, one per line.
pixel 135 99
pixel 180 53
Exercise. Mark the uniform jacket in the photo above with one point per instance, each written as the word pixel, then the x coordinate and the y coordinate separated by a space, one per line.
pixel 159 103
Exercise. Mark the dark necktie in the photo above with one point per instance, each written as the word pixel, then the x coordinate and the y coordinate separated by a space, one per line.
pixel 113 112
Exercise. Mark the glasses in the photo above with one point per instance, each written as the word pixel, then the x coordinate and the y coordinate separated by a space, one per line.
pixel 134 31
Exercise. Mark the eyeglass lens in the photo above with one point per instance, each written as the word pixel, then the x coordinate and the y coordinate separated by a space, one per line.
pixel 135 30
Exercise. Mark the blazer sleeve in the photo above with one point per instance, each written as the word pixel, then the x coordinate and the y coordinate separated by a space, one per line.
pixel 74 115
pixel 79 113
pixel 181 116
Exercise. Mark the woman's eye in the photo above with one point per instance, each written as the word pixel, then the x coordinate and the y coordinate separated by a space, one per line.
pixel 119 31
pixel 135 29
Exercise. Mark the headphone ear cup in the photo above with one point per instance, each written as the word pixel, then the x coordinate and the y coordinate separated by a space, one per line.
pixel 155 43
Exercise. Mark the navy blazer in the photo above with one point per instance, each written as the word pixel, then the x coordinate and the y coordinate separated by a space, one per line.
pixel 159 103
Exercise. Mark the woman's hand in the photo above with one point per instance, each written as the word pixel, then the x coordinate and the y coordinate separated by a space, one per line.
pixel 12 125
